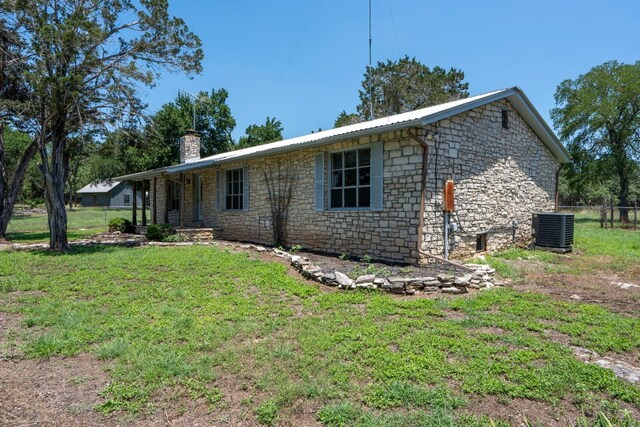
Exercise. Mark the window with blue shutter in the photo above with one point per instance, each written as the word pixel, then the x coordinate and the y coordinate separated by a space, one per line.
pixel 235 189
pixel 319 182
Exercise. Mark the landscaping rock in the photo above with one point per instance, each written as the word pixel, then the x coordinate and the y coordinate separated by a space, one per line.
pixel 454 290
pixel 393 287
pixel 343 280
pixel 367 278
pixel 329 279
pixel 463 280
pixel 379 280
pixel 445 278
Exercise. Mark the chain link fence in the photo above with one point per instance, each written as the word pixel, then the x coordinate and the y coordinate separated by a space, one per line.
pixel 29 224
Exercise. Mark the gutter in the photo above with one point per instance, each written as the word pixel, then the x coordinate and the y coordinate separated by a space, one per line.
pixel 423 184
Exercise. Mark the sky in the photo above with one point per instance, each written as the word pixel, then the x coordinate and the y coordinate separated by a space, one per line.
pixel 303 61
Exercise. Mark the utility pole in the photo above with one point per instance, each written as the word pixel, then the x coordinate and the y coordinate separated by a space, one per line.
pixel 370 69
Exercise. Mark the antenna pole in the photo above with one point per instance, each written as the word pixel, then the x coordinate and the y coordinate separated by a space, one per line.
pixel 369 33
pixel 370 69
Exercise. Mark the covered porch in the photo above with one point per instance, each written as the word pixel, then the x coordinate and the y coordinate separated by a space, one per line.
pixel 174 199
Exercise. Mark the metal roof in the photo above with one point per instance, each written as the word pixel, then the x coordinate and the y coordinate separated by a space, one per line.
pixel 420 117
pixel 99 187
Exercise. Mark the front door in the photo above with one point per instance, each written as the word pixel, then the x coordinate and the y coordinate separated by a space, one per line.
pixel 197 198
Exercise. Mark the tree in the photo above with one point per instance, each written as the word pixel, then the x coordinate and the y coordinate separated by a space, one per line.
pixel 84 62
pixel 345 119
pixel 598 118
pixel 270 131
pixel 79 150
pixel 18 149
pixel 214 122
pixel 395 87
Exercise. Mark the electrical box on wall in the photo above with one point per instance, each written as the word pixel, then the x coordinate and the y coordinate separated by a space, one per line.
pixel 448 204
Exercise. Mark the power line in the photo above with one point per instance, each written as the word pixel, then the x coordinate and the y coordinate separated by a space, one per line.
pixel 290 58
pixel 393 23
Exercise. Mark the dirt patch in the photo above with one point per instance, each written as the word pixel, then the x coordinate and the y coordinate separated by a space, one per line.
pixel 57 391
pixel 9 342
pixel 593 289
pixel 520 411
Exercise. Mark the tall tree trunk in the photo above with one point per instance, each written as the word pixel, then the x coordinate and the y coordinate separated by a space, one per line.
pixel 9 192
pixel 622 168
pixel 55 176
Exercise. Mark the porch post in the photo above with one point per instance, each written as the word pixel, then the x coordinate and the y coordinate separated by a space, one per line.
pixel 182 188
pixel 144 204
pixel 155 204
pixel 134 211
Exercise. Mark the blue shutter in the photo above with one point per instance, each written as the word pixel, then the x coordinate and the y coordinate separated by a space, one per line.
pixel 219 192
pixel 319 182
pixel 245 188
pixel 377 178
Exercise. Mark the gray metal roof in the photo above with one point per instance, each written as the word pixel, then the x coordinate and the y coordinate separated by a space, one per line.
pixel 99 187
pixel 420 117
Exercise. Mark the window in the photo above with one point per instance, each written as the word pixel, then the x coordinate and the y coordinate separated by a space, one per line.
pixel 481 242
pixel 94 199
pixel 234 194
pixel 505 119
pixel 351 179
pixel 127 199
pixel 174 200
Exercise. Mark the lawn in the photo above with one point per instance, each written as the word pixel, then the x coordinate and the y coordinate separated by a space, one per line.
pixel 596 251
pixel 82 222
pixel 250 343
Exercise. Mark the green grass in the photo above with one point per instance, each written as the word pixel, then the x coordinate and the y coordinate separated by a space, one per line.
pixel 82 222
pixel 595 250
pixel 364 358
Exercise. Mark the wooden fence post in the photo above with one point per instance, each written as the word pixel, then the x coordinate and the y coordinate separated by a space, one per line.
pixel 635 215
pixel 612 212
pixel 603 216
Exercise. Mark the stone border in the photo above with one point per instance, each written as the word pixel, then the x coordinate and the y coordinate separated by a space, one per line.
pixel 481 277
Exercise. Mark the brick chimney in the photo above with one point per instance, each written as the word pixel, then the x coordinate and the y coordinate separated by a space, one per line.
pixel 190 147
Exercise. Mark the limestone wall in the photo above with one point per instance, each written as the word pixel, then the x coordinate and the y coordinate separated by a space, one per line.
pixel 390 234
pixel 501 177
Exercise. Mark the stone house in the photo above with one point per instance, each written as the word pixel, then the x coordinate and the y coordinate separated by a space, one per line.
pixel 375 188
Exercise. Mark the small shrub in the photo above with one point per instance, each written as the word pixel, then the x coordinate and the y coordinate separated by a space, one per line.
pixel 158 231
pixel 344 256
pixel 267 413
pixel 366 259
pixel 340 415
pixel 120 224
pixel 296 248
pixel 174 238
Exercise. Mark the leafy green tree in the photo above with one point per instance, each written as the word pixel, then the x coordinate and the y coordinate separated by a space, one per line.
pixel 16 149
pixel 84 62
pixel 270 131
pixel 598 117
pixel 345 119
pixel 213 122
pixel 395 87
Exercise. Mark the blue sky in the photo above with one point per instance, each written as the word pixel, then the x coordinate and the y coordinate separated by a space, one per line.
pixel 303 61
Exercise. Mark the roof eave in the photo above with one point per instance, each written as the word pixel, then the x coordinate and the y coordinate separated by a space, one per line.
pixel 277 150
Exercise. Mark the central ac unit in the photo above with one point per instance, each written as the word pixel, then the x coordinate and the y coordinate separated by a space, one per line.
pixel 553 230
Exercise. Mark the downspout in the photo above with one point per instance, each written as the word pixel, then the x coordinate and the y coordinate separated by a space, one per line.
pixel 556 196
pixel 423 184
